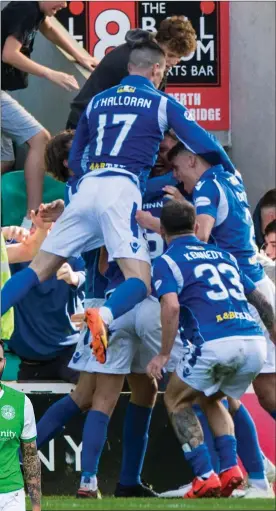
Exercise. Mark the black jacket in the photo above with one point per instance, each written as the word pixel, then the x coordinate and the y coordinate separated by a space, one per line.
pixel 110 71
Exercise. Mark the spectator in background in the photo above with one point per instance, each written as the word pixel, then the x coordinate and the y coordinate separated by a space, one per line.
pixel 44 336
pixel 270 240
pixel 20 23
pixel 264 213
pixel 176 37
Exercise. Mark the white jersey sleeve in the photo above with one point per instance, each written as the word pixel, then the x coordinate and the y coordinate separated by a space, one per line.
pixel 29 429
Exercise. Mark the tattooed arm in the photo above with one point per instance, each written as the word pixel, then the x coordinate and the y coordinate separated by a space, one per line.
pixel 32 473
pixel 265 311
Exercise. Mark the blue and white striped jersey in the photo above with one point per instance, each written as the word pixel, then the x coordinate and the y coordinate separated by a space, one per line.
pixel 210 287
pixel 222 195
pixel 122 127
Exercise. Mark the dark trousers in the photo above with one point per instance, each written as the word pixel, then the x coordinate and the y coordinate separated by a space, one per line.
pixel 54 369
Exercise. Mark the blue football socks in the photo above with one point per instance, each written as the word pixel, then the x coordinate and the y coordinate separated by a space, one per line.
pixel 135 441
pixel 126 296
pixel 226 446
pixel 53 420
pixel 208 437
pixel 199 459
pixel 248 446
pixel 93 440
pixel 17 287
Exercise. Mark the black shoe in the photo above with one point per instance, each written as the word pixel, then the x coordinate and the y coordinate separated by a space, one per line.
pixel 138 490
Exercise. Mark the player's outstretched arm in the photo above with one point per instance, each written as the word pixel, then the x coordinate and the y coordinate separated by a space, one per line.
pixel 32 473
pixel 195 137
pixel 265 310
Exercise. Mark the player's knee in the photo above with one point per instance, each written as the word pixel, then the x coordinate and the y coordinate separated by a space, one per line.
pixel 145 392
pixel 265 389
pixel 233 405
pixel 82 400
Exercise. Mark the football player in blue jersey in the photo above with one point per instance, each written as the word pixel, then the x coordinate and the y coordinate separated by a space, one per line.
pixel 143 389
pixel 117 139
pixel 202 291
pixel 223 216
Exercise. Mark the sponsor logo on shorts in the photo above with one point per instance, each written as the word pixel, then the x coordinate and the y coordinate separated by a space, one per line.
pixel 8 412
pixel 76 357
pixel 135 246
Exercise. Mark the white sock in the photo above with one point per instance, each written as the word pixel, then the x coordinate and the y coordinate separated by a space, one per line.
pixel 260 484
pixel 106 315
pixel 92 484
pixel 206 475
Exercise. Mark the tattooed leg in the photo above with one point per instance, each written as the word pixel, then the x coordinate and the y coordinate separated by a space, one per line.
pixel 179 398
pixel 187 427
pixel 32 472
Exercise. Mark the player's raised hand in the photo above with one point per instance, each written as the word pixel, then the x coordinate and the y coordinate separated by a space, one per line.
pixel 64 80
pixel 67 274
pixel 51 211
pixel 13 232
pixel 155 366
pixel 173 193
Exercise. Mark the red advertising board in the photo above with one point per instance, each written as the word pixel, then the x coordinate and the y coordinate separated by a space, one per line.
pixel 200 81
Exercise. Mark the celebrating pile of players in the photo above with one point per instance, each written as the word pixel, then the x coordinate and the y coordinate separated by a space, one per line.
pixel 157 222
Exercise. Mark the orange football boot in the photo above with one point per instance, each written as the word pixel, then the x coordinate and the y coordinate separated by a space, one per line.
pixel 230 480
pixel 202 489
pixel 99 334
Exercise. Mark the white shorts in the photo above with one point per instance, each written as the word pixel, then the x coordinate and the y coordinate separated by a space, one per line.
pixel 135 339
pixel 102 212
pixel 229 364
pixel 267 287
pixel 13 501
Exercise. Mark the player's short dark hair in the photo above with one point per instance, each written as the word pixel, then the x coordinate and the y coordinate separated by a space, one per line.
pixel 178 217
pixel 178 34
pixel 57 150
pixel 176 150
pixel 269 199
pixel 2 344
pixel 145 55
pixel 271 227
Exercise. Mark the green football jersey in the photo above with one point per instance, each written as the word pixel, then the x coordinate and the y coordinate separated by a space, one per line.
pixel 17 424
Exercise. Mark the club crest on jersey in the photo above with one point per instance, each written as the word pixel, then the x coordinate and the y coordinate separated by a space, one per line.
pixel 8 412
pixel 126 88
pixel 134 246
pixel 189 115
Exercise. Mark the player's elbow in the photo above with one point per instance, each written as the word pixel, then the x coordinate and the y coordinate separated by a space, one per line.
pixel 170 305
